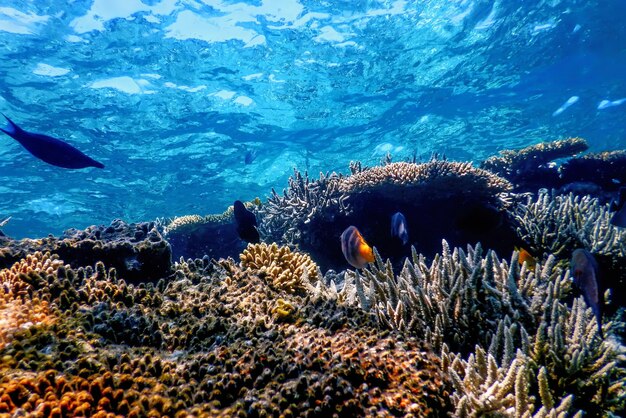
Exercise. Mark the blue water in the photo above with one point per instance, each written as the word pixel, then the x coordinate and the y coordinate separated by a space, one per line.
pixel 170 95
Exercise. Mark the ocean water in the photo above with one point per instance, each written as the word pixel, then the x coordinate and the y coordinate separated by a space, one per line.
pixel 171 95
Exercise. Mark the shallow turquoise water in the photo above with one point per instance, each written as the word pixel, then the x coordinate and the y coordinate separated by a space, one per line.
pixel 170 95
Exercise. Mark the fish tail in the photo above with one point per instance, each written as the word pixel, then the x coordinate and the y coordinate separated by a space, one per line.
pixel 11 129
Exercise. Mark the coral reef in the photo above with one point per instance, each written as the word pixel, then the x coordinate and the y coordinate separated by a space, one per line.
pixel 117 329
pixel 194 236
pixel 137 251
pixel 288 218
pixel 529 168
pixel 215 340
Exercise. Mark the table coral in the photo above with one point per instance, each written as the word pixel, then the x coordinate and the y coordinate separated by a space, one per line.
pixel 438 177
pixel 528 167
pixel 193 236
pixel 438 198
pixel 606 169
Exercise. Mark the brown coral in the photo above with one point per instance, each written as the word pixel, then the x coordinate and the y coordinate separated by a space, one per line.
pixel 440 199
pixel 287 269
pixel 233 345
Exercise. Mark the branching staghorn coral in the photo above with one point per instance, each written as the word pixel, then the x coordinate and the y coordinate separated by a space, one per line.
pixel 458 299
pixel 564 365
pixel 283 218
pixel 531 352
pixel 559 224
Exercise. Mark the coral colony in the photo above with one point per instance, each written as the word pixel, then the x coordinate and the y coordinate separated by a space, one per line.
pixel 484 312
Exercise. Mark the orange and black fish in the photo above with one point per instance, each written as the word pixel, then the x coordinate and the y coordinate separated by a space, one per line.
pixel 524 256
pixel 246 223
pixel 356 251
pixel 585 272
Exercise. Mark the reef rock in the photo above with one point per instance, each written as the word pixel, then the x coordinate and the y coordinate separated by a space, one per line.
pixel 137 251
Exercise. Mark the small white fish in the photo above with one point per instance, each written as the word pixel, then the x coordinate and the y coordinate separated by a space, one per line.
pixel 605 104
pixel 565 105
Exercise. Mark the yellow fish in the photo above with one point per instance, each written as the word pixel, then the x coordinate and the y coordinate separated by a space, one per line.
pixel 524 256
pixel 356 251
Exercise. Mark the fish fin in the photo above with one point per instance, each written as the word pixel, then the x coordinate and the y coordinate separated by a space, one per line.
pixel 11 129
pixel 619 218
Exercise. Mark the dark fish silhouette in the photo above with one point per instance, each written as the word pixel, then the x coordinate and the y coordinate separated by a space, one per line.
pixel 356 251
pixel 246 223
pixel 398 228
pixel 585 272
pixel 48 149
pixel 250 157
pixel 619 207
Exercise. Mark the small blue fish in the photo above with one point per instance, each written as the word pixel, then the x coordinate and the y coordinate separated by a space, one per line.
pixel 585 272
pixel 398 228
pixel 619 207
pixel 48 149
pixel 246 223
pixel 250 156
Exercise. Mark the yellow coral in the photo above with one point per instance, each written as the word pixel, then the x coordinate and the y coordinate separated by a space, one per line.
pixel 283 310
pixel 286 269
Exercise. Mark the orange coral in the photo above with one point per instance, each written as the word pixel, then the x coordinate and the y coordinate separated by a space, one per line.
pixel 18 309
